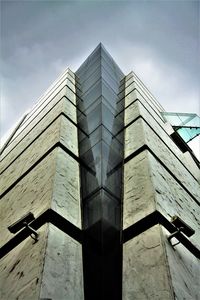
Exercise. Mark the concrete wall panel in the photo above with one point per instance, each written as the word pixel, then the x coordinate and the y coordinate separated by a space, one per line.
pixel 33 118
pixel 21 269
pixel 33 193
pixel 66 188
pixel 145 273
pixel 139 196
pixel 139 133
pixel 60 130
pixel 23 141
pixel 63 271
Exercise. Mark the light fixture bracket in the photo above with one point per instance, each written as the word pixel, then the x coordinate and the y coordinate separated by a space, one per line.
pixel 25 222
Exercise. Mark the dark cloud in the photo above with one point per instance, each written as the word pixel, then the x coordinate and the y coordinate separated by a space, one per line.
pixel 159 40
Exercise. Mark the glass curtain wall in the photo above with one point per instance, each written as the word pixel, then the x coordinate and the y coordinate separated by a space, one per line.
pixel 101 153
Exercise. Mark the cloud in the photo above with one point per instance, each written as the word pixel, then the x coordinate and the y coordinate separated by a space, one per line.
pixel 156 39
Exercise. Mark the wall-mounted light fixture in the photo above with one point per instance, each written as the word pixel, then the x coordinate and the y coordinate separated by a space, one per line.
pixel 24 222
pixel 181 226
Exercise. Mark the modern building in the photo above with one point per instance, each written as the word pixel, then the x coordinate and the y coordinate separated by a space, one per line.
pixel 100 193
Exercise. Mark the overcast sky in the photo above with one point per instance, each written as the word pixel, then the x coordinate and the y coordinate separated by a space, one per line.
pixel 158 40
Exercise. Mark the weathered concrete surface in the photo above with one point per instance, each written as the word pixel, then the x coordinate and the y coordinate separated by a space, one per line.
pixel 136 95
pixel 35 128
pixel 60 130
pixel 39 190
pixel 136 109
pixel 139 194
pixel 39 111
pixel 52 183
pixel 139 133
pixel 133 82
pixel 66 188
pixel 171 199
pixel 33 193
pixel 63 273
pixel 20 270
pixel 154 270
pixel 145 272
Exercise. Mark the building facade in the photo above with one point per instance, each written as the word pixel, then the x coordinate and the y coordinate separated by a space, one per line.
pixel 99 187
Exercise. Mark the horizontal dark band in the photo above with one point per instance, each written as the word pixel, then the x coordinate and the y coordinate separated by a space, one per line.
pixel 56 145
pixel 153 219
pixel 47 216
pixel 61 114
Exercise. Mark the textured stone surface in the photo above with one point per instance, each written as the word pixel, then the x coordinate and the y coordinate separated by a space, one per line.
pixel 66 189
pixel 139 133
pixel 143 110
pixel 33 193
pixel 20 270
pixel 60 130
pixel 172 200
pixel 53 183
pixel 136 95
pixel 137 109
pixel 40 189
pixel 144 92
pixel 145 272
pixel 66 78
pixel 68 135
pixel 36 113
pixel 134 137
pixel 184 270
pixel 190 164
pixel 23 141
pixel 139 196
pixel 131 113
pixel 63 273
pixel 60 87
pixel 148 186
pixel 157 272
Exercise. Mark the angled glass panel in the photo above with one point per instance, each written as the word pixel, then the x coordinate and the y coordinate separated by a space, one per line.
pixel 187 125
pixel 96 54
pixel 109 94
pixel 110 79
pixel 92 121
pixel 92 79
pixel 110 60
pixel 188 134
pixel 110 209
pixel 100 134
pixel 92 209
pixel 89 183
pixel 101 155
pixel 113 182
pixel 92 93
pixel 102 206
pixel 90 70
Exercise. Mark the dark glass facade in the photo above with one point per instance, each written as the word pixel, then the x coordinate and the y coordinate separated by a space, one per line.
pixel 100 81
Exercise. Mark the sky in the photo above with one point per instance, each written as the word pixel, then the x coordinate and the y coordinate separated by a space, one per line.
pixel 158 40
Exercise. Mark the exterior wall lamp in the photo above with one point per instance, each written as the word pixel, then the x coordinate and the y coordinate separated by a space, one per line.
pixel 181 227
pixel 24 222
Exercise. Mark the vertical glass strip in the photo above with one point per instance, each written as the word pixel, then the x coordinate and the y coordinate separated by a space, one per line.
pixel 101 182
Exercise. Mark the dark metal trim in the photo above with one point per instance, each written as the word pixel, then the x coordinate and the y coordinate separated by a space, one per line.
pixel 141 117
pixel 57 117
pixel 153 219
pixel 147 148
pixel 48 216
pixel 58 144
pixel 39 122
pixel 129 233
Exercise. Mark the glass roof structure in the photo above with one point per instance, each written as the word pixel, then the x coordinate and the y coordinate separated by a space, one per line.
pixel 187 125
